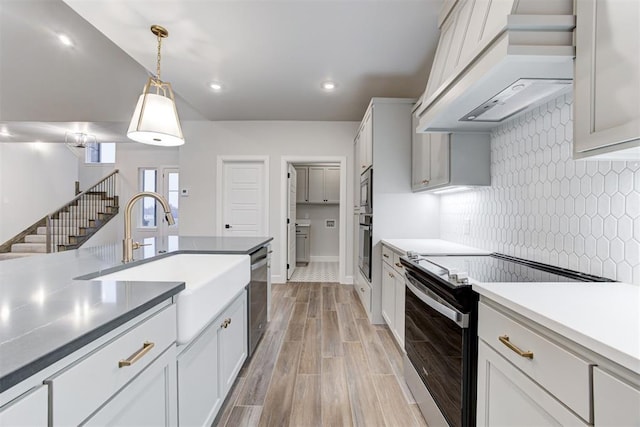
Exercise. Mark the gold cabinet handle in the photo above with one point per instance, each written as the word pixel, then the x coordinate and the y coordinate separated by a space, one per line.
pixel 361 289
pixel 391 275
pixel 398 265
pixel 504 339
pixel 385 255
pixel 226 323
pixel 146 348
pixel 425 181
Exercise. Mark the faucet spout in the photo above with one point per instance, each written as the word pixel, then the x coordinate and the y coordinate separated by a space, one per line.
pixel 128 245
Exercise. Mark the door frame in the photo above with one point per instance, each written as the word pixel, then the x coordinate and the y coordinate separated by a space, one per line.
pixel 220 162
pixel 342 232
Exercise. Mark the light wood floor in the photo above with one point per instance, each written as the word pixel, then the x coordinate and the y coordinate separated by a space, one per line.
pixel 321 363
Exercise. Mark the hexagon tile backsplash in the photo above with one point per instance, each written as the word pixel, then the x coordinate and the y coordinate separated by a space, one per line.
pixel 544 206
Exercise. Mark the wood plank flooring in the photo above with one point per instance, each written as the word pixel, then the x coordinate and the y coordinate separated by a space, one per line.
pixel 321 363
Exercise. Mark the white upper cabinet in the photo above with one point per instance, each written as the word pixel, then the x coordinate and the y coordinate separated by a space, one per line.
pixel 365 142
pixel 607 80
pixel 302 184
pixel 324 184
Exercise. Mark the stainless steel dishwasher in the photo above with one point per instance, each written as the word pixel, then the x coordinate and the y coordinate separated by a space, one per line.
pixel 257 291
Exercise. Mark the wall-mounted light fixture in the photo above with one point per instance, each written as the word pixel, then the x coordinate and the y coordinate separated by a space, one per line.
pixel 155 120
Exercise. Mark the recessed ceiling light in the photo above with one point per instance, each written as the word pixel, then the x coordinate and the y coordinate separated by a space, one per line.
pixel 328 85
pixel 215 86
pixel 65 40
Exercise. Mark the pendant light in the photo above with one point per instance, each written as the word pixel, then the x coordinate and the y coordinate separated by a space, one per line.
pixel 155 120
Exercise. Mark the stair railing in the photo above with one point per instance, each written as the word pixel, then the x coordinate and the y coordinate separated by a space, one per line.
pixel 73 219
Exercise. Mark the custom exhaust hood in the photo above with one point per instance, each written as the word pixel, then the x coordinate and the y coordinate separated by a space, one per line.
pixel 482 79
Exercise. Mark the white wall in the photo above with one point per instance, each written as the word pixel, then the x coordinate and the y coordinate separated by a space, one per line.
pixel 206 140
pixel 324 241
pixel 35 179
pixel 544 206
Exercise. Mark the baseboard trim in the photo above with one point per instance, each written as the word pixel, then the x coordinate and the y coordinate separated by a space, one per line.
pixel 348 280
pixel 277 278
pixel 313 258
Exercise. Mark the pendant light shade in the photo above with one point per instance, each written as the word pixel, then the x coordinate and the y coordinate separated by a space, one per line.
pixel 155 120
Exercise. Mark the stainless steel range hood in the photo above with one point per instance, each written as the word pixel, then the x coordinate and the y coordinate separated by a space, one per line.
pixel 529 62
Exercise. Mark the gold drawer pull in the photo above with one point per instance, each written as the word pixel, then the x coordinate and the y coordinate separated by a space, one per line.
pixel 385 255
pixel 504 339
pixel 361 289
pixel 146 348
pixel 226 323
pixel 398 265
pixel 391 275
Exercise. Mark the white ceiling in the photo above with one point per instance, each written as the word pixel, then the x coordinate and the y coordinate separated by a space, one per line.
pixel 270 57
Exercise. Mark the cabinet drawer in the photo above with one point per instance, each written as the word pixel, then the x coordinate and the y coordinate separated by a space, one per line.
pixel 397 266
pixel 364 292
pixel 387 255
pixel 561 372
pixel 82 388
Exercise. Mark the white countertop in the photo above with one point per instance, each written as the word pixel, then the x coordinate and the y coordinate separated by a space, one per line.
pixel 603 317
pixel 432 247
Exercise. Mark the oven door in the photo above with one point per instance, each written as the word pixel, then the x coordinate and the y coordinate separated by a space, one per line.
pixel 364 251
pixel 436 340
pixel 365 192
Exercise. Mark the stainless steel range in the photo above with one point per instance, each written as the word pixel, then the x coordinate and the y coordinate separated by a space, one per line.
pixel 441 338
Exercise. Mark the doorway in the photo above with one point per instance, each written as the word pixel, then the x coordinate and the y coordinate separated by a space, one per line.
pixel 314 228
pixel 242 195
pixel 151 226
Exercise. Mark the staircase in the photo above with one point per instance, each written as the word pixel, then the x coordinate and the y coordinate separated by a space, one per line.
pixel 69 226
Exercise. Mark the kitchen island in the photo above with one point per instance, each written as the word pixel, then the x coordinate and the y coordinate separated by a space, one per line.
pixel 48 318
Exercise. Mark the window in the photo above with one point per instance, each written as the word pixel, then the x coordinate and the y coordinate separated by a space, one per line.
pixel 148 182
pixel 100 152
pixel 173 193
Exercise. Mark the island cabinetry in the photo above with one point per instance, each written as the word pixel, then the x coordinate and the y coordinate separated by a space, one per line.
pixel 121 381
pixel 30 409
pixel 209 364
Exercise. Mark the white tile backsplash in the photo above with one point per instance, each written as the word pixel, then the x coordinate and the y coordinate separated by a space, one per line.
pixel 544 206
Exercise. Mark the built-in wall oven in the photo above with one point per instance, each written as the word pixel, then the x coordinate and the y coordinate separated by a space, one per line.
pixel 364 244
pixel 441 327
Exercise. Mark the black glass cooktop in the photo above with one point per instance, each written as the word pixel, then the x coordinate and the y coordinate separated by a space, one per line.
pixel 496 268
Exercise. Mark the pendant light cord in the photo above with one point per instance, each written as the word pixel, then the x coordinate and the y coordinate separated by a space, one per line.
pixel 159 57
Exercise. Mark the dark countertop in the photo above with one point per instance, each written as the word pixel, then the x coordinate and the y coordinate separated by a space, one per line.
pixel 46 314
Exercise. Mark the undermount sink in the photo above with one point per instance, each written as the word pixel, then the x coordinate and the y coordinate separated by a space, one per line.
pixel 211 282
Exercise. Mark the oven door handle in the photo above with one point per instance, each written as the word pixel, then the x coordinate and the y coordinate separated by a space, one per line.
pixel 460 319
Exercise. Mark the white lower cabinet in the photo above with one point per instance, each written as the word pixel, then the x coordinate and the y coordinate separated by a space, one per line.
pixel 610 395
pixel 92 387
pixel 393 293
pixel 209 365
pixel 148 400
pixel 507 397
pixel 30 409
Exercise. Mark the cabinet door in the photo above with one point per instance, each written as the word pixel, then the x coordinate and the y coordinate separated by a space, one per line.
pixel 200 394
pixel 439 151
pixel 316 185
pixel 388 296
pixel 366 142
pixel 332 185
pixel 31 409
pixel 399 310
pixel 148 400
pixel 232 341
pixel 420 161
pixel 356 173
pixel 300 255
pixel 507 397
pixel 615 403
pixel 302 183
pixel 607 74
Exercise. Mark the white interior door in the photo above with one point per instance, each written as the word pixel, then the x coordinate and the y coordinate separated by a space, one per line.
pixel 291 221
pixel 243 198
